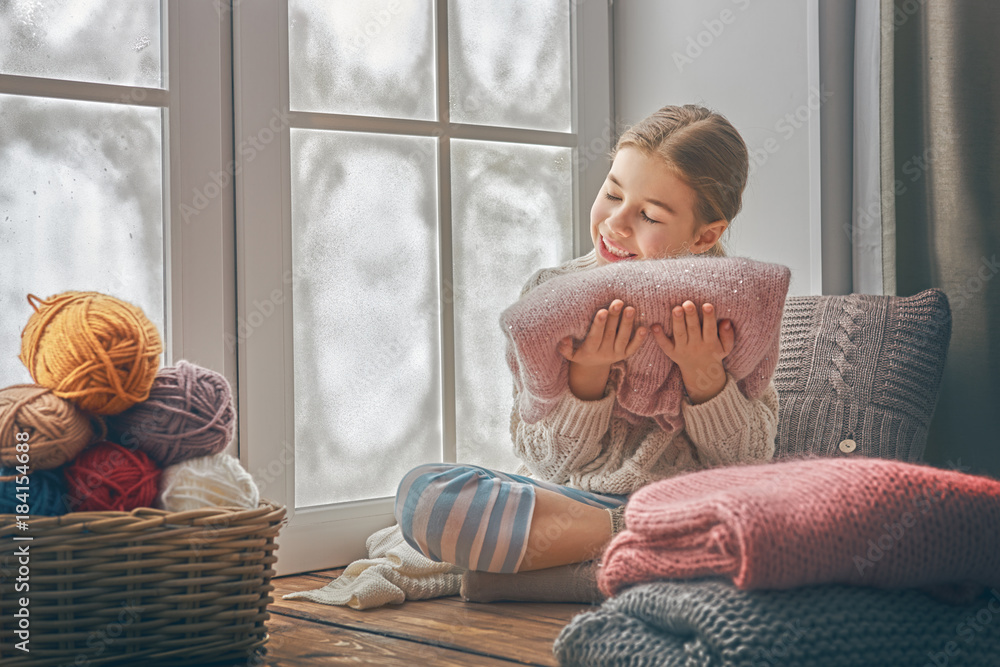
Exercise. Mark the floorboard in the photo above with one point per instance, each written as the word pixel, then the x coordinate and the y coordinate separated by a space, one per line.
pixel 442 631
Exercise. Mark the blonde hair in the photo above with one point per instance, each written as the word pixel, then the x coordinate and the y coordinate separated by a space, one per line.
pixel 705 151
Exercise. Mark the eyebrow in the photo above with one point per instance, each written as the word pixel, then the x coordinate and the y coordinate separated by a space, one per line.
pixel 655 202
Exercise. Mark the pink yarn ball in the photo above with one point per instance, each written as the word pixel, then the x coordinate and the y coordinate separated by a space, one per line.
pixel 189 413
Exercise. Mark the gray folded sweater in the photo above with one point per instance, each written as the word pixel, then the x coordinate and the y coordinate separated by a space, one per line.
pixel 709 622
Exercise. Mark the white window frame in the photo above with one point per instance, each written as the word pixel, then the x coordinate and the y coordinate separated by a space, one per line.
pixel 199 287
pixel 334 535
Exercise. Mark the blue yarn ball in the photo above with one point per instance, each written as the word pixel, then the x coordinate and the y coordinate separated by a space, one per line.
pixel 46 492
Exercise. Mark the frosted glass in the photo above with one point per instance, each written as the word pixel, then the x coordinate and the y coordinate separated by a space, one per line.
pixel 365 275
pixel 80 209
pixel 104 41
pixel 365 57
pixel 509 63
pixel 512 214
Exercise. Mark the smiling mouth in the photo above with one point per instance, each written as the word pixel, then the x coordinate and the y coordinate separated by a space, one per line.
pixel 611 250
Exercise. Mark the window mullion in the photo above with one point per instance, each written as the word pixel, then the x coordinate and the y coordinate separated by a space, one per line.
pixel 428 128
pixel 447 289
pixel 84 91
pixel 593 109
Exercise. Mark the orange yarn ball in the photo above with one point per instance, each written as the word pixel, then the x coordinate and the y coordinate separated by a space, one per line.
pixel 96 350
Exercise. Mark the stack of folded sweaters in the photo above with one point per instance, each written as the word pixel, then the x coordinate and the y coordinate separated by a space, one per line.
pixel 809 561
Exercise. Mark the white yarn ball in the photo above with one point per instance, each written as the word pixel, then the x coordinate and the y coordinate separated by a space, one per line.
pixel 207 481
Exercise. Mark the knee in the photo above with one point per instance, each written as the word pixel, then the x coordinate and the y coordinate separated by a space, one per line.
pixel 420 489
pixel 424 482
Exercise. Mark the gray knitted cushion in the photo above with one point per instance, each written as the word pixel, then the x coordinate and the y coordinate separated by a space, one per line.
pixel 709 622
pixel 860 367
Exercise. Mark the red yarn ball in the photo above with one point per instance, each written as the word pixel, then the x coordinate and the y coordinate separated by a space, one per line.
pixel 107 476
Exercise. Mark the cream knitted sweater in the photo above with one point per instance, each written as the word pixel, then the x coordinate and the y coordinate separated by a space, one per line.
pixel 580 444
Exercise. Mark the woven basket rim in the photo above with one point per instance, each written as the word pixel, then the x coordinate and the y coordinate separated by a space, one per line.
pixel 141 518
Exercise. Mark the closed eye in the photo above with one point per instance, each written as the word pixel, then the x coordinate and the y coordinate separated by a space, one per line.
pixel 608 195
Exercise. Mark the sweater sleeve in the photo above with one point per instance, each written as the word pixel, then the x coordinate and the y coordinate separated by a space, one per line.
pixel 573 434
pixel 730 428
pixel 566 440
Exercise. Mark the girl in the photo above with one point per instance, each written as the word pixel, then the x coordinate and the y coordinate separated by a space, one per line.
pixel 675 184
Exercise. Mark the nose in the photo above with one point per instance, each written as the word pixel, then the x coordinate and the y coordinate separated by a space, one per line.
pixel 618 222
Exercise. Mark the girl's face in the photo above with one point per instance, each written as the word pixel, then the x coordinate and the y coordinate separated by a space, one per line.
pixel 644 211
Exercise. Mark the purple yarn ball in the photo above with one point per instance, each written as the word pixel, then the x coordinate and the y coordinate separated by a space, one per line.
pixel 189 413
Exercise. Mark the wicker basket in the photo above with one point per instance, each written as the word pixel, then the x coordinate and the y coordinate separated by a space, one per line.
pixel 139 588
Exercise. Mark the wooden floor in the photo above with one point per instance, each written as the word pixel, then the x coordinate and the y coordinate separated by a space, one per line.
pixel 441 631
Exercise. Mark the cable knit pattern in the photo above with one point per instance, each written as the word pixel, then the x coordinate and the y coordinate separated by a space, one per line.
pixel 587 445
pixel 863 367
pixel 710 622
pixel 863 521
pixel 648 384
pixel 845 353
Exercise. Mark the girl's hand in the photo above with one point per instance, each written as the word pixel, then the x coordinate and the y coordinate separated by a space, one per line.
pixel 698 349
pixel 609 339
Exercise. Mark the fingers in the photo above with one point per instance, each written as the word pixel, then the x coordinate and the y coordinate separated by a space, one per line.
pixel 679 326
pixel 610 336
pixel 625 332
pixel 596 334
pixel 611 328
pixel 565 348
pixel 728 337
pixel 692 338
pixel 692 321
pixel 637 340
pixel 619 330
pixel 709 328
pixel 687 327
pixel 661 339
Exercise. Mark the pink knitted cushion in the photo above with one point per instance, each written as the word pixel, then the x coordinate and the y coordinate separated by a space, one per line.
pixel 797 522
pixel 648 384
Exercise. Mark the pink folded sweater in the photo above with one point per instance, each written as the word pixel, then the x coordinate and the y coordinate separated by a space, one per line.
pixel 648 384
pixel 795 522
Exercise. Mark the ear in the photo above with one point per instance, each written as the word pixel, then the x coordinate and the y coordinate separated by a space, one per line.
pixel 708 235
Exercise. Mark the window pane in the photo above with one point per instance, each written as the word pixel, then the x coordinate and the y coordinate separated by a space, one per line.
pixel 509 63
pixel 366 57
pixel 512 214
pixel 80 209
pixel 104 41
pixel 365 258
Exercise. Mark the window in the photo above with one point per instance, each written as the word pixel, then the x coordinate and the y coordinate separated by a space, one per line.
pixel 106 133
pixel 329 203
pixel 404 168
pixel 81 135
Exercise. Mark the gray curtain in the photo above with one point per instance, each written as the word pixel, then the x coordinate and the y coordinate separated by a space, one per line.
pixel 943 149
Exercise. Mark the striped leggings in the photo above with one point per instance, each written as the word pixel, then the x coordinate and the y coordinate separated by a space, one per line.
pixel 473 517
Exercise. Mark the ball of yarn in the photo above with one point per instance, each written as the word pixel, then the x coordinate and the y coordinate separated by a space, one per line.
pixel 107 476
pixel 46 493
pixel 56 429
pixel 96 350
pixel 217 480
pixel 189 413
